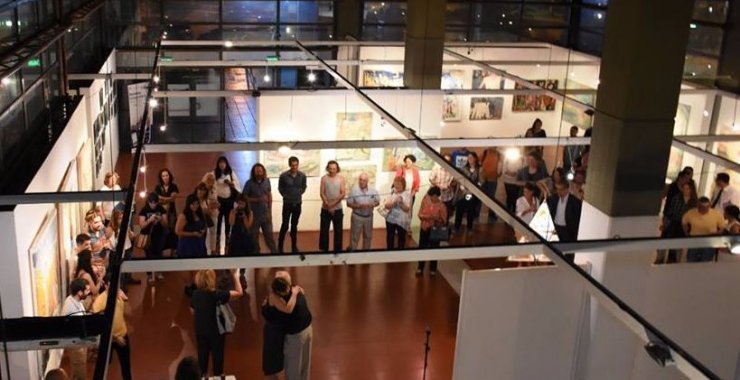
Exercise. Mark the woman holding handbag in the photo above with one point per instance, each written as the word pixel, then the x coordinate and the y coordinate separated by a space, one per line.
pixel 433 216
pixel 227 189
pixel 205 302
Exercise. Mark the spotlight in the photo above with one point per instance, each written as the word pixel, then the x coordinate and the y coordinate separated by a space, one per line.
pixel 153 103
pixel 735 247
pixel 512 154
pixel 287 29
pixel 143 169
pixel 266 78
pixel 569 176
pixel 156 79
pixel 142 194
pixel 311 77
pixel 5 81
pixel 228 44
pixel 706 113
pixel 163 127
pixel 284 150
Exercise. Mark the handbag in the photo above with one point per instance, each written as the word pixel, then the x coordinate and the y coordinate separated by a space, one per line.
pixel 225 319
pixel 142 241
pixel 439 234
pixel 234 192
pixel 382 210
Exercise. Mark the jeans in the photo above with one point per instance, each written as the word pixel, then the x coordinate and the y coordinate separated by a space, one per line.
pixel 291 213
pixel 490 189
pixel 124 357
pixel 264 222
pixel 512 194
pixel 391 231
pixel 424 242
pixel 225 205
pixel 336 220
pixel 207 346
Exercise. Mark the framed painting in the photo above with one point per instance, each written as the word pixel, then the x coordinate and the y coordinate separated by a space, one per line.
pixel 451 108
pixel 452 79
pixel 486 108
pixel 354 126
pixel 276 163
pixel 535 103
pixel 45 268
pixel 352 172
pixel 382 78
pixel 486 80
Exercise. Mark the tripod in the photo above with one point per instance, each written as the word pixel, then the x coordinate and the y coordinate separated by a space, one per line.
pixel 427 348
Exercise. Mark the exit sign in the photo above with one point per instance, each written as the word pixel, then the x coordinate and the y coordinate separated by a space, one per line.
pixel 35 62
pixel 273 58
pixel 166 58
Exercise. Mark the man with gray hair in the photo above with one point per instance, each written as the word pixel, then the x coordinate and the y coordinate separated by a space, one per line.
pixel 362 200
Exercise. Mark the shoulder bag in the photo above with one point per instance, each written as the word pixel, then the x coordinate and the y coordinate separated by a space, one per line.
pixel 439 234
pixel 225 319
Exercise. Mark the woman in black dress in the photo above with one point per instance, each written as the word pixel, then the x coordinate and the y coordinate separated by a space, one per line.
pixel 204 302
pixel 167 190
pixel 153 221
pixel 275 310
pixel 242 241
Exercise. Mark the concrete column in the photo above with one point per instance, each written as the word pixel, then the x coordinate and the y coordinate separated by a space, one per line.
pixel 349 19
pixel 425 36
pixel 640 79
pixel 729 60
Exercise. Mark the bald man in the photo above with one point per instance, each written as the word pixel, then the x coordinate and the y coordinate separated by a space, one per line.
pixel 362 200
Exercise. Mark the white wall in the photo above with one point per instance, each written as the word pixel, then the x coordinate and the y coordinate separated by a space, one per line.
pixel 517 324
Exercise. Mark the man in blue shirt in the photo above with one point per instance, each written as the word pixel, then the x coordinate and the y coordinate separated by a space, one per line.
pixel 362 200
pixel 291 185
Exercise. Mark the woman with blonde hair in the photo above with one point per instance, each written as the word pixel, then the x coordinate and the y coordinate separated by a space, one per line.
pixel 205 301
pixel 397 219
pixel 110 183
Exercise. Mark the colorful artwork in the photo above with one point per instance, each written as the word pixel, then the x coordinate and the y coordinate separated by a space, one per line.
pixel 69 224
pixel 486 108
pixel 354 126
pixel 44 259
pixel 451 108
pixel 393 158
pixel 276 163
pixel 535 103
pixel 680 127
pixel 486 80
pixel 381 78
pixel 452 80
pixel 575 115
pixel 352 173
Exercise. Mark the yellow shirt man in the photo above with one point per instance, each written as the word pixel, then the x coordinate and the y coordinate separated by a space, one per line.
pixel 119 324
pixel 710 222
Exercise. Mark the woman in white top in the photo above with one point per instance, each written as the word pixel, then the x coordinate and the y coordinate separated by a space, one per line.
pixel 227 189
pixel 527 204
pixel 206 204
pixel 110 183
pixel 213 208
pixel 398 219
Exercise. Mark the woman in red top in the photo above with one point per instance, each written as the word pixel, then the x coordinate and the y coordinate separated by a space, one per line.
pixel 410 172
pixel 433 213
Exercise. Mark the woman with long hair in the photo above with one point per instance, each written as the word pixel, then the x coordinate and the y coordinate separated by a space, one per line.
pixel 191 229
pixel 207 205
pixel 398 219
pixel 527 204
pixel 204 302
pixel 227 189
pixel 167 191
pixel 243 239
pixel 672 218
pixel 468 205
pixel 153 221
pixel 85 271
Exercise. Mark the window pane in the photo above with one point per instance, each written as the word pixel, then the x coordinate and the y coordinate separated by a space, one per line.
pixel 191 11
pixel 494 35
pixel 31 71
pixel 12 127
pixel 456 34
pixel 27 21
pixel 711 11
pixel 590 42
pixel 593 19
pixel 250 11
pixel 700 67
pixel 601 3
pixel 9 90
pixel 383 33
pixel 35 110
pixel 555 36
pixel 496 14
pixel 6 29
pixel 307 11
pixel 384 13
pixel 248 32
pixel 307 32
pixel 546 15
pixel 705 39
pixel 194 32
pixel 457 13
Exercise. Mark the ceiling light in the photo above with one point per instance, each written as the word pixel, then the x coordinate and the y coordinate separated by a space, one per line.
pixel 142 194
pixel 163 127
pixel 156 79
pixel 5 81
pixel 284 150
pixel 266 78
pixel 512 154
pixel 143 169
pixel 706 113
pixel 153 103
pixel 287 29
pixel 569 176
pixel 311 77
pixel 228 44
pixel 599 15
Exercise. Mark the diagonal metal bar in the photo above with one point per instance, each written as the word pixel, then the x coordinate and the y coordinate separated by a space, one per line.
pixel 706 155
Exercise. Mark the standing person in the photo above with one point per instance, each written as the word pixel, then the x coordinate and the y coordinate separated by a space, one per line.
pixel 534 171
pixel 490 170
pixel 74 306
pixel 167 191
pixel 433 213
pixel 99 244
pixel 362 200
pixel 332 192
pixel 298 330
pixel 468 205
pixel 112 233
pixel 82 242
pixel 724 194
pixel 446 183
pixel 397 220
pixel 702 221
pixel 571 152
pixel 226 193
pixel 243 241
pixel 535 131
pixel 110 183
pixel 513 161
pixel 675 188
pixel 259 195
pixel 153 222
pixel 675 209
pixel 204 302
pixel 291 185
pixel 528 204
pixel 410 173
pixel 86 272
pixel 120 341
pixel 732 216
pixel 208 205
pixel 191 229
pixel 275 310
pixel 565 210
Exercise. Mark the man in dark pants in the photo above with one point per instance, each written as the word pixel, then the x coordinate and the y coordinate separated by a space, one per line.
pixel 298 331
pixel 565 211
pixel 291 185
pixel 120 344
pixel 259 196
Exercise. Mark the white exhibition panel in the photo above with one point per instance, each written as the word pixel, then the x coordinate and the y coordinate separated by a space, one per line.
pixel 518 324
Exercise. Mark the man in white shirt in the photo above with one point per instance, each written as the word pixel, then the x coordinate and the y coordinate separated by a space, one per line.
pixel 724 194
pixel 79 290
pixel 362 200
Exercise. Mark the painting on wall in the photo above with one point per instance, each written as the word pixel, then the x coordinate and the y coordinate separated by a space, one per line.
pixel 451 108
pixel 486 80
pixel 486 108
pixel 393 158
pixel 381 78
pixel 69 224
pixel 575 115
pixel 276 162
pixel 44 259
pixel 84 164
pixel 680 127
pixel 452 79
pixel 354 126
pixel 535 103
pixel 352 172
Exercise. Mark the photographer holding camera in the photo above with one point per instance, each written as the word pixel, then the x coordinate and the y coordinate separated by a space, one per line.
pixel 243 240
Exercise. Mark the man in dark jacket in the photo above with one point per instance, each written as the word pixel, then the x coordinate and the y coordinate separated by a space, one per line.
pixel 565 211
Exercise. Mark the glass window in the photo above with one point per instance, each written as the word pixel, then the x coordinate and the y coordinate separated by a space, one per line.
pixel 711 11
pixel 10 89
pixel 7 31
pixel 250 11
pixel 457 13
pixel 705 39
pixel 383 33
pixel 191 11
pixel 549 15
pixel 601 3
pixel 700 67
pixel 590 42
pixel 384 13
pixel 27 20
pixel 248 32
pixel 551 35
pixel 194 32
pixel 35 110
pixel 484 34
pixel 12 127
pixel 594 19
pixel 31 71
pixel 496 14
pixel 306 11
pixel 456 34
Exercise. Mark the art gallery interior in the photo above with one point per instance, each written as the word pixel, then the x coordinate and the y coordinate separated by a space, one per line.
pixel 134 87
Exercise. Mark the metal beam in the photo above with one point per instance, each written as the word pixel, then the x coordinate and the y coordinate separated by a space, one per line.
pixel 707 156
pixel 707 138
pixel 62 197
pixel 113 76
pixel 334 90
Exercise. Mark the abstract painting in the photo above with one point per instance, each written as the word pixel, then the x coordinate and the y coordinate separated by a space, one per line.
pixel 486 108
pixel 535 103
pixel 486 80
pixel 452 80
pixel 354 126
pixel 382 78
pixel 44 259
pixel 276 163
pixel 451 108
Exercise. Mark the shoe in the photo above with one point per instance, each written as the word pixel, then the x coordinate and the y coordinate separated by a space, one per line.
pixel 295 250
pixel 419 272
pixel 160 276
pixel 433 273
pixel 150 279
